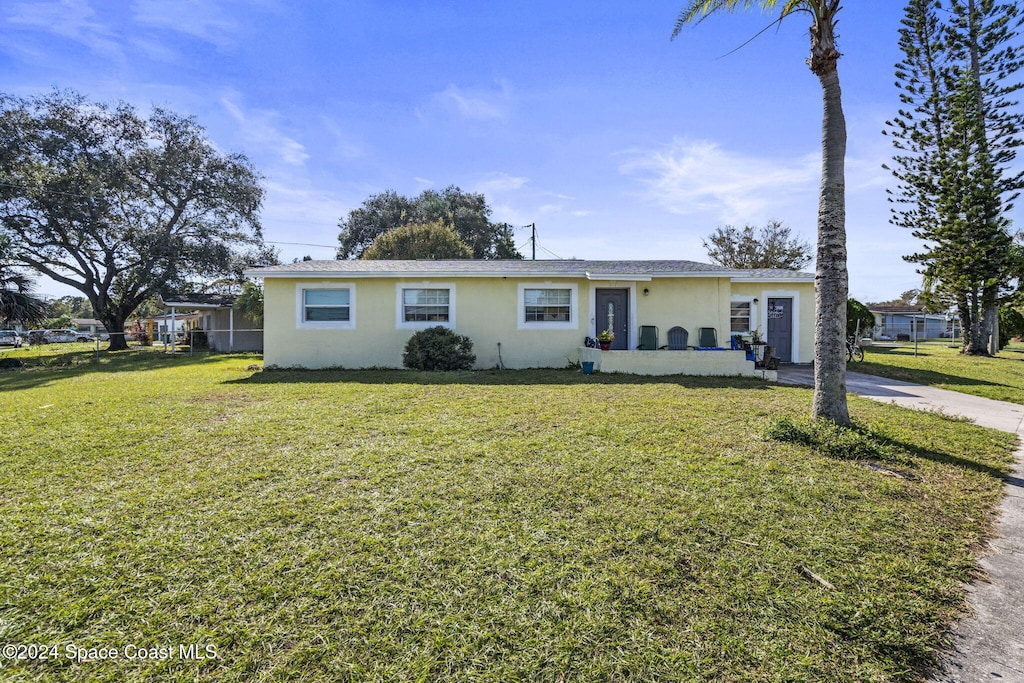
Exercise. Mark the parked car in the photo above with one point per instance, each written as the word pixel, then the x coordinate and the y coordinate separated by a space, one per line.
pixel 10 338
pixel 58 336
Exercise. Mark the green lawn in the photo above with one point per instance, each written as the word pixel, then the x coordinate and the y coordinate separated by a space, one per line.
pixel 938 364
pixel 491 526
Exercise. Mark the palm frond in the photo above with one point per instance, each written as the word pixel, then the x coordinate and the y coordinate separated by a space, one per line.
pixel 20 307
pixel 699 10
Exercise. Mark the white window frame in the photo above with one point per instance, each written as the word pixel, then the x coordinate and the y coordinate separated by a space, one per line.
pixel 402 324
pixel 752 317
pixel 574 308
pixel 300 306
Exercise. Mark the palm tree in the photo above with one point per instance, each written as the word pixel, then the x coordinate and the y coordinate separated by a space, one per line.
pixel 16 301
pixel 831 277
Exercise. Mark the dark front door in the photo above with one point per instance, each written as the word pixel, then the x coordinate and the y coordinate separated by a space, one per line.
pixel 612 313
pixel 780 328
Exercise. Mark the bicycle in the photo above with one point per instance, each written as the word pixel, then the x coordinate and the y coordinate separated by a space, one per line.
pixel 853 350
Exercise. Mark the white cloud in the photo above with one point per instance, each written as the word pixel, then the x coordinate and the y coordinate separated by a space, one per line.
pixel 475 104
pixel 206 21
pixel 300 217
pixel 690 177
pixel 71 19
pixel 499 182
pixel 259 127
pixel 345 147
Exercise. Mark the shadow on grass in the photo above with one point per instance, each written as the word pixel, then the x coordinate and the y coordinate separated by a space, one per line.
pixel 43 367
pixel 859 442
pixel 551 376
pixel 1002 473
pixel 925 377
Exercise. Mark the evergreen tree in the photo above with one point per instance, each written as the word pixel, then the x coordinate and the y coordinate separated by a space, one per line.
pixel 954 142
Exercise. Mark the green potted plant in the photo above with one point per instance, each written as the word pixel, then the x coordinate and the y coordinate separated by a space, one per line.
pixel 605 339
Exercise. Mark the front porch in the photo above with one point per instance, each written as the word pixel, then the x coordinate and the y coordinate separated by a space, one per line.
pixel 665 362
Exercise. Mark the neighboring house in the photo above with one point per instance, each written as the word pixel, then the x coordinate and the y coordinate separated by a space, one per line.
pixel 521 314
pixel 159 327
pixel 226 329
pixel 90 325
pixel 908 323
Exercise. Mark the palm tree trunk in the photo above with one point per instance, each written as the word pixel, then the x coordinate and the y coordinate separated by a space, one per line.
pixel 831 276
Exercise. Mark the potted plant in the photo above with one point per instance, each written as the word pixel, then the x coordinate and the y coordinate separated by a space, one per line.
pixel 605 339
pixel 758 345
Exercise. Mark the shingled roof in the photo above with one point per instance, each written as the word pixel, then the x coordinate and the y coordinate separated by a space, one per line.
pixel 197 301
pixel 594 270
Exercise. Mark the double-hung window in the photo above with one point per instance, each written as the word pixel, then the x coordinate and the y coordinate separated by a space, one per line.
pixel 548 307
pixel 739 317
pixel 426 306
pixel 325 306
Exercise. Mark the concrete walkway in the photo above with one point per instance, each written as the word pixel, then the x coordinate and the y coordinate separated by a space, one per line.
pixel 988 644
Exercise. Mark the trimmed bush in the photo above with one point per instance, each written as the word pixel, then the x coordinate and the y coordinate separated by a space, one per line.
pixel 438 348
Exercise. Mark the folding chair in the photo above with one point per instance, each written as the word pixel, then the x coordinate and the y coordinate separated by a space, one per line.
pixel 707 338
pixel 648 338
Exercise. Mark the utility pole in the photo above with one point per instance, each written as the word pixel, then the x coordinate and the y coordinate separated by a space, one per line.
pixel 533 239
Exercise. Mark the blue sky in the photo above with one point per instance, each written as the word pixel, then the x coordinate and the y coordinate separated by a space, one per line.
pixel 581 117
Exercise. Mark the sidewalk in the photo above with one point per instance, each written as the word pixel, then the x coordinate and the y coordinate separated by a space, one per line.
pixel 989 643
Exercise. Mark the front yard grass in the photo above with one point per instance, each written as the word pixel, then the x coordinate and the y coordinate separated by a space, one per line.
pixel 938 364
pixel 478 526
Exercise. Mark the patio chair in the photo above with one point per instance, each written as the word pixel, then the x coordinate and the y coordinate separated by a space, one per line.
pixel 707 338
pixel 677 338
pixel 737 344
pixel 648 338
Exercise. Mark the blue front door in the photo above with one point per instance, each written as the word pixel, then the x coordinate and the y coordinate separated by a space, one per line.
pixel 612 313
pixel 780 328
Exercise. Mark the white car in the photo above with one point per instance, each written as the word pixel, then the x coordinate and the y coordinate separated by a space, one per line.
pixel 10 338
pixel 58 336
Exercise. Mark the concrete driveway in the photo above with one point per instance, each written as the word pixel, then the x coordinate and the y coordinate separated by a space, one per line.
pixel 988 644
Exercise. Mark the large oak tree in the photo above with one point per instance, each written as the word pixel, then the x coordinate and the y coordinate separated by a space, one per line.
pixel 467 213
pixel 117 205
pixel 772 245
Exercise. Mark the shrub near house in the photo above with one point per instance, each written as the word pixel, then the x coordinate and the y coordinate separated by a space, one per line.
pixel 438 348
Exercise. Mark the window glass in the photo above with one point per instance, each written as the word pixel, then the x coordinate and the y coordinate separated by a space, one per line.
pixel 326 305
pixel 547 305
pixel 425 305
pixel 740 317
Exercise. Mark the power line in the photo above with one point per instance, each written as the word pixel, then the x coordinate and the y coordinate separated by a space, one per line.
pixel 543 248
pixel 304 244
